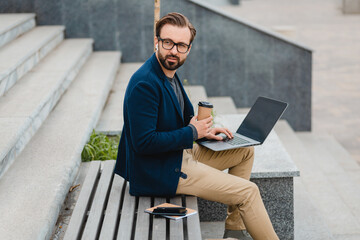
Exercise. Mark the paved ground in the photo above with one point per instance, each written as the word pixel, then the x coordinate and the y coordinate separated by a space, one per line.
pixel 335 39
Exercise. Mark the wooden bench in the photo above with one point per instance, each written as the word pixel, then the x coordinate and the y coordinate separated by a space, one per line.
pixel 106 210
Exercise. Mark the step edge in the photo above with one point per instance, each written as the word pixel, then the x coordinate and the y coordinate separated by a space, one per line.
pixel 51 34
pixel 47 99
pixel 333 187
pixel 25 17
pixel 17 29
pixel 34 57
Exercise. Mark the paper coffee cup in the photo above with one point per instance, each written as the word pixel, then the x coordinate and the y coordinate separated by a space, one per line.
pixel 204 110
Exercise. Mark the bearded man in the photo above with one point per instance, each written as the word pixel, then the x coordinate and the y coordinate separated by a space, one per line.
pixel 156 151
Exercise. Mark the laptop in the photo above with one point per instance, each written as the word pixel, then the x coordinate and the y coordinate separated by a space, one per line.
pixel 255 128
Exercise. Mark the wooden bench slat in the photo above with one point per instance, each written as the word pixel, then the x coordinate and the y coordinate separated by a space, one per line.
pixel 80 210
pixel 193 221
pixel 112 209
pixel 159 224
pixel 143 219
pixel 176 226
pixel 127 216
pixel 97 208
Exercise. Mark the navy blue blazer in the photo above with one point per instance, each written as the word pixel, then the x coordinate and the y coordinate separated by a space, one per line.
pixel 154 134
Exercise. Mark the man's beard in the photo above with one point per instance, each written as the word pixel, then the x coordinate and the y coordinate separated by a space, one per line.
pixel 170 65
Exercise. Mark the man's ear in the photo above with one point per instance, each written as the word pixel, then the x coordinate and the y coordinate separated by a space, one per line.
pixel 156 43
pixel 189 50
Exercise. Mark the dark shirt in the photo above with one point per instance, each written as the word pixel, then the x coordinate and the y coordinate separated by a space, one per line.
pixel 174 82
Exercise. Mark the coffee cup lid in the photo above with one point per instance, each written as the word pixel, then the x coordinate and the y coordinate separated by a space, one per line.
pixel 205 104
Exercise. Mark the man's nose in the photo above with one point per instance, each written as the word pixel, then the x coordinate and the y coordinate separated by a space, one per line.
pixel 174 51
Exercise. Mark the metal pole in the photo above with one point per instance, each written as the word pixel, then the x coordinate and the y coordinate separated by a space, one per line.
pixel 156 16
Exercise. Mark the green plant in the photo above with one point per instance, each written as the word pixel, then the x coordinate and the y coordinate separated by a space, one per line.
pixel 100 147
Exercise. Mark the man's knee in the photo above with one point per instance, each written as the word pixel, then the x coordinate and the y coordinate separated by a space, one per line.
pixel 252 191
pixel 250 152
pixel 246 152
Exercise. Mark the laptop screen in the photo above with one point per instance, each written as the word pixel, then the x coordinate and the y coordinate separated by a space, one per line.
pixel 261 118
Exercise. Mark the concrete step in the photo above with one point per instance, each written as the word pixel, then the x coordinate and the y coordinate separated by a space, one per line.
pixel 70 202
pixel 309 223
pixel 111 121
pixel 196 93
pixel 223 105
pixel 320 188
pixel 13 25
pixel 339 153
pixel 343 182
pixel 28 103
pixel 22 54
pixel 243 110
pixel 33 190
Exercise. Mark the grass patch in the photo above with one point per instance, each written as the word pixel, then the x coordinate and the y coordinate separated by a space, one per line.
pixel 100 147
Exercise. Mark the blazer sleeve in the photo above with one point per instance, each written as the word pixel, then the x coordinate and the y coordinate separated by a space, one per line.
pixel 142 112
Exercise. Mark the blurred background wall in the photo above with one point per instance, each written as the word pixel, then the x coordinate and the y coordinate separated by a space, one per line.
pixel 230 56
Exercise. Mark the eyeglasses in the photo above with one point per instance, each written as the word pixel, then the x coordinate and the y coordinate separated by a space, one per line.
pixel 168 44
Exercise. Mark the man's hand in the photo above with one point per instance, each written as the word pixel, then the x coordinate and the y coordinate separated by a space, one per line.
pixel 214 131
pixel 202 126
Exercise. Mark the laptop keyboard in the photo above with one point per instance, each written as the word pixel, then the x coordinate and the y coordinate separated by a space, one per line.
pixel 236 141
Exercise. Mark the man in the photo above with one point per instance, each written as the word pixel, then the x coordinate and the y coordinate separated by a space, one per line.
pixel 156 152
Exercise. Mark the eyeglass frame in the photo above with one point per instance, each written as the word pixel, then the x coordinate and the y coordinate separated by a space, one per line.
pixel 175 44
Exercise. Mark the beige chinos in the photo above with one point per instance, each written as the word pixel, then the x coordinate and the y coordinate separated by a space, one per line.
pixel 206 179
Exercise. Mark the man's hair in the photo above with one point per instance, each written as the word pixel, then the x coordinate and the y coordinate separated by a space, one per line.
pixel 175 19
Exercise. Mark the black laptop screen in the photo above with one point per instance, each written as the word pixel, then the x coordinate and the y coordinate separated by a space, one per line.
pixel 261 118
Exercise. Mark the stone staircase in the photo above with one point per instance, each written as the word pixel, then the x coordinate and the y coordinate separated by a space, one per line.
pixel 327 195
pixel 52 91
pixel 111 121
